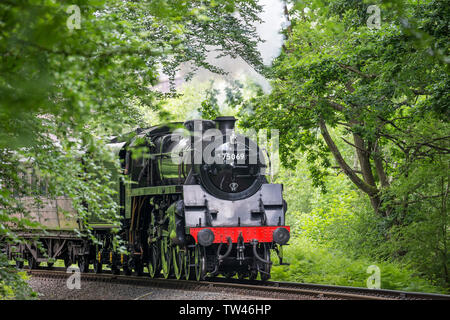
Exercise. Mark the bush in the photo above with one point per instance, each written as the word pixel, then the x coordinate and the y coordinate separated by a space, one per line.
pixel 13 284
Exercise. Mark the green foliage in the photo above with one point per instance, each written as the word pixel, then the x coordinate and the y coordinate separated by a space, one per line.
pixel 336 69
pixel 371 104
pixel 420 225
pixel 210 106
pixel 13 284
pixel 105 68
pixel 66 91
pixel 335 237
pixel 208 99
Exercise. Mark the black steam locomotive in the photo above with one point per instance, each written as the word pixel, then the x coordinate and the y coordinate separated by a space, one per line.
pixel 195 201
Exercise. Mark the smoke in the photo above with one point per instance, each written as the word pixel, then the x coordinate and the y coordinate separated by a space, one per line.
pixel 274 19
pixel 237 69
pixel 269 31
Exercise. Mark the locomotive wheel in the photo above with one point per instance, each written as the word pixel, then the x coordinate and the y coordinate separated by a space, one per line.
pixel 98 266
pixel 242 275
pixel 67 261
pixel 253 274
pixel 178 262
pixel 115 269
pixel 126 270
pixel 200 263
pixel 83 263
pixel 229 275
pixel 187 262
pixel 154 265
pixel 138 267
pixel 19 264
pixel 166 258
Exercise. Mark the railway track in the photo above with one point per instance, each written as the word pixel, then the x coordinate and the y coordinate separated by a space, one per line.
pixel 269 289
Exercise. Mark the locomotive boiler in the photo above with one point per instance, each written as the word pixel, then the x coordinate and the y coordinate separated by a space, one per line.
pixel 194 201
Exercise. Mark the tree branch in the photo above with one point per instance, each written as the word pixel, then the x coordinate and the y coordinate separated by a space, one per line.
pixel 355 70
pixel 379 167
pixel 351 144
pixel 364 161
pixel 370 190
pixel 336 106
pixel 422 197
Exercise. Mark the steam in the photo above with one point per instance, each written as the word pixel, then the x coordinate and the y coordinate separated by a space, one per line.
pixel 269 31
pixel 237 69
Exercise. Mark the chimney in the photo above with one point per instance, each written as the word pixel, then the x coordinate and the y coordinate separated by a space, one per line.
pixel 225 123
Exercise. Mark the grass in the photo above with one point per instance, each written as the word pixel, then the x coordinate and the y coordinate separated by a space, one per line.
pixel 310 263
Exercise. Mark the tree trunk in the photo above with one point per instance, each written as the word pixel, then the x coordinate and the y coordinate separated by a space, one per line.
pixel 368 184
pixel 366 169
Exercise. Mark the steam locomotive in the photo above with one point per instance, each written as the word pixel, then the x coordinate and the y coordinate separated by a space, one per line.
pixel 195 201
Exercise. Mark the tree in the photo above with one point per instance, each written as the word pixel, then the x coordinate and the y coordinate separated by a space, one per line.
pixel 387 88
pixel 335 71
pixel 71 76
